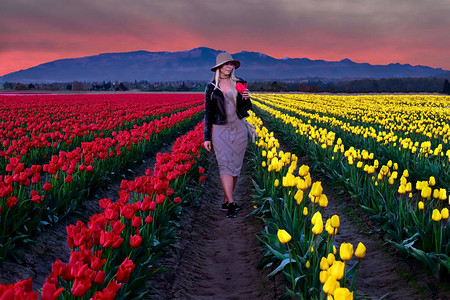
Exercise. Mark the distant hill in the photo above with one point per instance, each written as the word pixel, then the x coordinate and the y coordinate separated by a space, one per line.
pixel 195 64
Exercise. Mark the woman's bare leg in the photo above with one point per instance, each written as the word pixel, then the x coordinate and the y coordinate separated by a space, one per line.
pixel 235 179
pixel 228 186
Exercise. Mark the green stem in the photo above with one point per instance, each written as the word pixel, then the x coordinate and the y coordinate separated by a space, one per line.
pixel 292 272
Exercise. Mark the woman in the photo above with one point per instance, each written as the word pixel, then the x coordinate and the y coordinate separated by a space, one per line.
pixel 226 109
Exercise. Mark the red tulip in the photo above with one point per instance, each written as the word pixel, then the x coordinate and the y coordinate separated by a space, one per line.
pixel 135 240
pixel 241 87
pixel 124 270
pixel 49 291
pixel 47 186
pixel 100 277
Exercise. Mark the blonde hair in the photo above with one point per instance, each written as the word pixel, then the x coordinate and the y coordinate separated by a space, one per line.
pixel 232 79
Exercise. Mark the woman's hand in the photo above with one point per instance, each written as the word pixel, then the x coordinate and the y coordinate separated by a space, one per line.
pixel 207 145
pixel 246 94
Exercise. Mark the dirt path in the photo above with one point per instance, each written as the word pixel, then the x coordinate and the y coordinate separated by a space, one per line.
pixel 217 256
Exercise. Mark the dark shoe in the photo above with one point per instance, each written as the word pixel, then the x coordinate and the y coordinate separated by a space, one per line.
pixel 231 210
pixel 225 206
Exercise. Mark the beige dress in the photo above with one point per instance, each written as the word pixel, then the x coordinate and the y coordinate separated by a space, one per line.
pixel 230 140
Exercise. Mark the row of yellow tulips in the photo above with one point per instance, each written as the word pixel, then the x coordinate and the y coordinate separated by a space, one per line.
pixel 410 147
pixel 379 190
pixel 297 239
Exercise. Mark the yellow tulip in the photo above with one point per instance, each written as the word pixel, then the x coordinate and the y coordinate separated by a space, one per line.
pixel 283 236
pixel 402 189
pixel 303 171
pixel 330 285
pixel 301 185
pixel 436 215
pixel 335 221
pixel 436 193
pixel 346 251
pixel 342 294
pixel 419 185
pixel 432 181
pixel 337 269
pixel 444 213
pixel 420 205
pixel 391 180
pixel 316 189
pixel 318 227
pixel 264 153
pixel 276 183
pixel 330 257
pixel 442 194
pixel 323 276
pixel 323 200
pixel 408 187
pixel 305 211
pixel 329 228
pixel 316 217
pixel 263 164
pixel 426 192
pixel 359 164
pixel 298 197
pixel 324 264
pixel 360 250
pixel 308 264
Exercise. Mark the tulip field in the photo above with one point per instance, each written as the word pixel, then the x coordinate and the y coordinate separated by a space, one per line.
pixel 55 148
pixel 391 153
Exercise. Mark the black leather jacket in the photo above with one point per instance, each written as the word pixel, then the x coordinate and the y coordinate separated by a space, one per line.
pixel 215 108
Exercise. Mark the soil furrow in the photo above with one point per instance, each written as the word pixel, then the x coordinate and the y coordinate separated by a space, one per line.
pixel 217 257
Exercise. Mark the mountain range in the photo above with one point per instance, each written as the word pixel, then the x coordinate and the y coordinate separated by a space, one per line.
pixel 195 64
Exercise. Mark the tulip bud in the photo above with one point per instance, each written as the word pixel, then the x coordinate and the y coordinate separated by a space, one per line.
pixel 360 250
pixel 283 236
pixel 337 270
pixel 342 293
pixel 316 189
pixel 303 171
pixel 323 276
pixel 432 181
pixel 298 197
pixel 276 183
pixel 316 217
pixel 323 200
pixel 436 193
pixel 324 264
pixel 420 205
pixel 436 215
pixel 402 189
pixel 346 251
pixel 426 192
pixel 305 211
pixel 330 285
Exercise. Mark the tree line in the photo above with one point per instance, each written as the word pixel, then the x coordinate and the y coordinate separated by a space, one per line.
pixel 385 85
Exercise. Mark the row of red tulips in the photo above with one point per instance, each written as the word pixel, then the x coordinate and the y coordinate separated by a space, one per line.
pixel 32 198
pixel 116 252
pixel 32 128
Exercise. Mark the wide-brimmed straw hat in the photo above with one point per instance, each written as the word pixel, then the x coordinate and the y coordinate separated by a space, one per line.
pixel 223 58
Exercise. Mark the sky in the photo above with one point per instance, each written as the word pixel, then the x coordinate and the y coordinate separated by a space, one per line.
pixel 415 32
